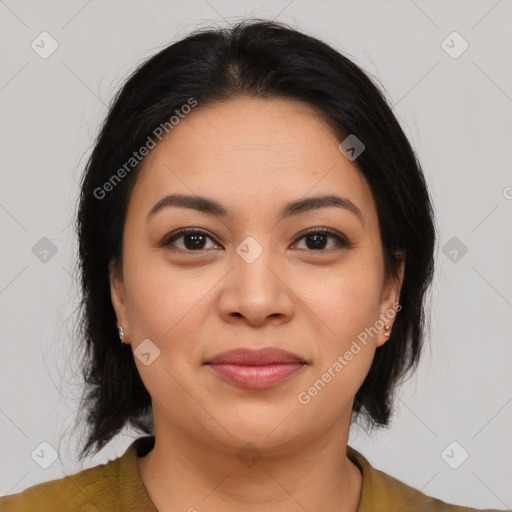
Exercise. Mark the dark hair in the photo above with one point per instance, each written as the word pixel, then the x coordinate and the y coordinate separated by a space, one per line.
pixel 263 59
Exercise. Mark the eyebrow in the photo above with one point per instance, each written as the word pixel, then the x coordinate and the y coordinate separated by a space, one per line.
pixel 212 207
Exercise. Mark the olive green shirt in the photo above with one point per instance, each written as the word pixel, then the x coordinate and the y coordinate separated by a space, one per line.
pixel 117 486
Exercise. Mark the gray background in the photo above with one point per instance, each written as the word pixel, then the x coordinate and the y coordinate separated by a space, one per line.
pixel 456 111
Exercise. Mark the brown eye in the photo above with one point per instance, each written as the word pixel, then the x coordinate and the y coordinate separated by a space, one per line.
pixel 193 240
pixel 316 239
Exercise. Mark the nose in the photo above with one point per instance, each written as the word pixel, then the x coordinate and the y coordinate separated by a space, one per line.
pixel 257 289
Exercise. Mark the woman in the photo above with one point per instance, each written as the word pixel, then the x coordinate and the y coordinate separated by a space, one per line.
pixel 256 229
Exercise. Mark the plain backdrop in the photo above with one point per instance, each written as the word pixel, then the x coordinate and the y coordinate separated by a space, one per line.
pixel 455 104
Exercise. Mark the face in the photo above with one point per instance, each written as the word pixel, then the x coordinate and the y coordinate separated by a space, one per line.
pixel 251 277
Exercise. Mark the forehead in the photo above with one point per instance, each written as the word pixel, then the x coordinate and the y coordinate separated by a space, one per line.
pixel 251 154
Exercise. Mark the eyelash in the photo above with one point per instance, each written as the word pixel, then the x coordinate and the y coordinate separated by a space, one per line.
pixel 340 240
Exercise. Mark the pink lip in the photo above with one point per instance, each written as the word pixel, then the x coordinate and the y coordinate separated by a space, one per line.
pixel 256 369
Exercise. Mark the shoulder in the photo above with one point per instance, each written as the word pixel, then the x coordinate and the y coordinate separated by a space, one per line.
pixel 91 490
pixel 381 491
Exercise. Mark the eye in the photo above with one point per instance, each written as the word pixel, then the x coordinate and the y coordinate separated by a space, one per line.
pixel 194 240
pixel 318 237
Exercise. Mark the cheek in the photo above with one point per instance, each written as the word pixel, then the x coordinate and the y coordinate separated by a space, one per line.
pixel 346 298
pixel 164 300
pixel 348 307
pixel 347 301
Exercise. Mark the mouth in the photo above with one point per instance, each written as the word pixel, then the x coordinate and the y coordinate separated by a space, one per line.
pixel 256 369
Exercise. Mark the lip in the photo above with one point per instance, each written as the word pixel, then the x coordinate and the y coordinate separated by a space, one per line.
pixel 256 357
pixel 256 369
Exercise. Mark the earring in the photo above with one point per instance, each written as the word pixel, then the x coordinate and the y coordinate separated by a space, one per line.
pixel 121 333
pixel 387 330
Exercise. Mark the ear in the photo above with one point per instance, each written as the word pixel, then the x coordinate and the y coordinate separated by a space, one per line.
pixel 117 295
pixel 390 297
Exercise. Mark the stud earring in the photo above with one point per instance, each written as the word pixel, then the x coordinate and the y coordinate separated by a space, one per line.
pixel 121 333
pixel 387 330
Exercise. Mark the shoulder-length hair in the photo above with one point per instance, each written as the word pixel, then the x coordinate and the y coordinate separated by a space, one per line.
pixel 261 59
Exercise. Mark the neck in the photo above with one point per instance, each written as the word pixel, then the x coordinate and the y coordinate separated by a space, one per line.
pixel 182 473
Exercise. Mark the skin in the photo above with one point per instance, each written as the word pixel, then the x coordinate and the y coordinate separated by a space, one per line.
pixel 252 156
